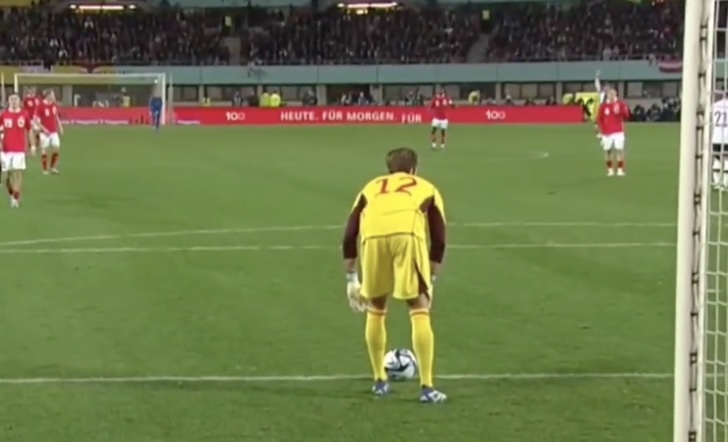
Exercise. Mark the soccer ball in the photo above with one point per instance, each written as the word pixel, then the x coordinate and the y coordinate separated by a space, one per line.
pixel 400 364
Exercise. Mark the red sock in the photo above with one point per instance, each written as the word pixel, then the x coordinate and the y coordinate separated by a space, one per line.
pixel 9 187
pixel 620 164
pixel 44 161
pixel 16 195
pixel 442 137
pixel 54 160
pixel 609 164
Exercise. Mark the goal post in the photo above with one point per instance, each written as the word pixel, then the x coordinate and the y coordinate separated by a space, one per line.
pixel 700 409
pixel 130 90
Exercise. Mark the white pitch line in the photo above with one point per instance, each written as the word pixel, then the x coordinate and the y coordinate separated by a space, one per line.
pixel 494 224
pixel 253 248
pixel 599 224
pixel 326 378
pixel 169 233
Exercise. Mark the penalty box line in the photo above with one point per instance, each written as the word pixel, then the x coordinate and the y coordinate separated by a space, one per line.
pixel 273 248
pixel 304 228
pixel 329 378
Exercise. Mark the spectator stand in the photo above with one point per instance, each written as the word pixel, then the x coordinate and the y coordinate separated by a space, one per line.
pixel 588 30
pixel 57 34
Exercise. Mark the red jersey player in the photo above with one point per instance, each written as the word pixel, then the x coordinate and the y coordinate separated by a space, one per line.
pixel 50 130
pixel 30 105
pixel 15 126
pixel 439 105
pixel 610 119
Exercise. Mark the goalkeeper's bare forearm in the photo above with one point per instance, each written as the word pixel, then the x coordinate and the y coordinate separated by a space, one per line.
pixel 438 238
pixel 351 235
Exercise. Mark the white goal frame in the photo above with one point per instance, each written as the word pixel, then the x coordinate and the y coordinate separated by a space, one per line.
pixel 54 78
pixel 693 236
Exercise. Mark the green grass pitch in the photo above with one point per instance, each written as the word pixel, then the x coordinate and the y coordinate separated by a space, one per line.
pixel 198 252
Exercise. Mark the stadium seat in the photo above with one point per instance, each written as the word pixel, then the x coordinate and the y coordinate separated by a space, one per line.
pixel 164 36
pixel 613 30
pixel 402 35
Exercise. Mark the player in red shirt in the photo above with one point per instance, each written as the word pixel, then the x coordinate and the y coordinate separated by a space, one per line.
pixel 49 122
pixel 15 126
pixel 610 120
pixel 439 105
pixel 30 105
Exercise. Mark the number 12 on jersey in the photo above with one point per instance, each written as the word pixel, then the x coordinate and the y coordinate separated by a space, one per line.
pixel 402 185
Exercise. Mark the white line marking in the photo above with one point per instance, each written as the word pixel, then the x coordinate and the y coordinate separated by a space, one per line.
pixel 325 378
pixel 494 224
pixel 539 156
pixel 169 233
pixel 566 224
pixel 237 248
pixel 521 156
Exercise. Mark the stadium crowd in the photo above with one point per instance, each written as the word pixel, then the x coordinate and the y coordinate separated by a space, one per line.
pixel 403 35
pixel 617 29
pixel 168 35
pixel 608 30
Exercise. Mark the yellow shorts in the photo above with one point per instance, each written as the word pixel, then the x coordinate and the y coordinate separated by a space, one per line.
pixel 396 265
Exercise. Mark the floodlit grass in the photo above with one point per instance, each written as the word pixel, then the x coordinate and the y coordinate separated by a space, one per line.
pixel 215 252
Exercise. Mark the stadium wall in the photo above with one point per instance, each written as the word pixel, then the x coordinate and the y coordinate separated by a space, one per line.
pixel 325 115
pixel 389 74
pixel 399 74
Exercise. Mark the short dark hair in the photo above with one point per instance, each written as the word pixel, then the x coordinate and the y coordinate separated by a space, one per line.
pixel 401 159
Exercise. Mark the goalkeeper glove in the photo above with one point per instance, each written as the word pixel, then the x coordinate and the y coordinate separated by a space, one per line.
pixel 353 293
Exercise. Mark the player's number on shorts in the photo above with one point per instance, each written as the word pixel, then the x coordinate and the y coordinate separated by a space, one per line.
pixel 720 118
pixel 403 185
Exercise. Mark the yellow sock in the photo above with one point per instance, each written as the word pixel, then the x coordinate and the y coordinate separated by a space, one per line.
pixel 376 337
pixel 423 343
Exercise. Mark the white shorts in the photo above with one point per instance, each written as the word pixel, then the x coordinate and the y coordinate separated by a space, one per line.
pixel 613 141
pixel 50 140
pixel 439 124
pixel 12 160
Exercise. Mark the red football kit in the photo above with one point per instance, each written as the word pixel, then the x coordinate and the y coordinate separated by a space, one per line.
pixel 16 125
pixel 30 104
pixel 47 113
pixel 15 131
pixel 611 117
pixel 439 105
pixel 610 120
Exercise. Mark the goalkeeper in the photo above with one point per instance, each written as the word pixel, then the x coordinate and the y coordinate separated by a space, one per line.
pixel 391 218
pixel 155 111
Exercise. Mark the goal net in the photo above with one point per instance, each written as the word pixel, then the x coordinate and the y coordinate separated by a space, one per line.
pixel 99 96
pixel 701 326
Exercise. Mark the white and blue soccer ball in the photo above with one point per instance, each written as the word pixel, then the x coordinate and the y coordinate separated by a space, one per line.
pixel 400 364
